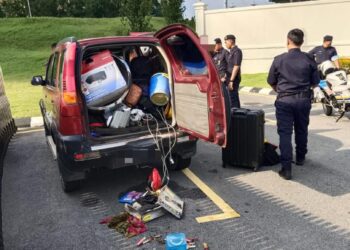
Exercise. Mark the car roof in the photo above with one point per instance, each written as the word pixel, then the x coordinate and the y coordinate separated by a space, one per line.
pixel 117 39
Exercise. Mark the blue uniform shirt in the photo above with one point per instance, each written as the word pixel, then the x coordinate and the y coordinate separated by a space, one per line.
pixel 293 72
pixel 220 61
pixel 322 54
pixel 234 58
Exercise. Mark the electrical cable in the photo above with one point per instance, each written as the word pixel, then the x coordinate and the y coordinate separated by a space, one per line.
pixel 158 140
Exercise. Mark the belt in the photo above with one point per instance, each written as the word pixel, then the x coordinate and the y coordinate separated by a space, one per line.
pixel 298 95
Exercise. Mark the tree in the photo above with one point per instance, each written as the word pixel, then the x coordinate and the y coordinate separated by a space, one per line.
pixel 156 8
pixel 2 13
pixel 43 7
pixel 61 8
pixel 102 8
pixel 173 10
pixel 14 8
pixel 137 16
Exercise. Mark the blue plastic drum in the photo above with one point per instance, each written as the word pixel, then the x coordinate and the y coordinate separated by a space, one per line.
pixel 159 89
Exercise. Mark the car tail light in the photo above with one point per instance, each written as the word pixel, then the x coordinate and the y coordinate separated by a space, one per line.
pixel 86 156
pixel 69 97
pixel 71 119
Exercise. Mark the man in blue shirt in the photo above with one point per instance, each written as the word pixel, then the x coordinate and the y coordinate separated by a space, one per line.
pixel 233 59
pixel 292 75
pixel 219 58
pixel 326 52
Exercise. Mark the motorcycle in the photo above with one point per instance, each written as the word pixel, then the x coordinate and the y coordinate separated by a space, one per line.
pixel 333 90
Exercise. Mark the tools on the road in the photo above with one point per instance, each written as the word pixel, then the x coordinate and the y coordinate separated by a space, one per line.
pixel 145 240
pixel 173 241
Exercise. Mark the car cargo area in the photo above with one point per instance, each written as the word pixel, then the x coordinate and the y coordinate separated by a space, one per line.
pixel 125 90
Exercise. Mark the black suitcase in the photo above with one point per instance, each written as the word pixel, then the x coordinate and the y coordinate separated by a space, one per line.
pixel 245 139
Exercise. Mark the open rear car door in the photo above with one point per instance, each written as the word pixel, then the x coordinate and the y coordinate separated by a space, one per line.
pixel 199 101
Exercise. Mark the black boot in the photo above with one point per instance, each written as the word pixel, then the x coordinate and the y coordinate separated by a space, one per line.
pixel 300 162
pixel 286 173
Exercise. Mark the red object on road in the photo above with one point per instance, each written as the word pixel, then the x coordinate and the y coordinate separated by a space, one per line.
pixel 106 220
pixel 155 180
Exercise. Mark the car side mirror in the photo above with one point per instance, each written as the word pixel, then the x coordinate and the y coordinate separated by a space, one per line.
pixel 37 81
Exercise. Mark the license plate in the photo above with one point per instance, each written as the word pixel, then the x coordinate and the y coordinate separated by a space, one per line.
pixel 183 139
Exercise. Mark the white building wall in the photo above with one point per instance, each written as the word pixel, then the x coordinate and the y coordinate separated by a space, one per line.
pixel 261 30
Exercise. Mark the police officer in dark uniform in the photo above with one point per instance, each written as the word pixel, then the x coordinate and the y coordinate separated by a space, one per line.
pixel 233 58
pixel 219 58
pixel 325 52
pixel 292 75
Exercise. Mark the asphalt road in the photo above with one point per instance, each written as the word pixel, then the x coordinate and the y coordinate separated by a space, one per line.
pixel 310 212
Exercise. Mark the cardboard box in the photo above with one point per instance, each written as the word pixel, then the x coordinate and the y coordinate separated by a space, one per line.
pixel 102 81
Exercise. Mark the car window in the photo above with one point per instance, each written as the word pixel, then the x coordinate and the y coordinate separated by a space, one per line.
pixel 61 68
pixel 54 70
pixel 189 58
pixel 49 70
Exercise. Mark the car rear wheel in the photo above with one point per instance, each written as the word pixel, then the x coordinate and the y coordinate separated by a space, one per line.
pixel 67 186
pixel 180 163
pixel 70 186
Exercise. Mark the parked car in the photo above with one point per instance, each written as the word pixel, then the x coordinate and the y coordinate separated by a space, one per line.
pixel 198 104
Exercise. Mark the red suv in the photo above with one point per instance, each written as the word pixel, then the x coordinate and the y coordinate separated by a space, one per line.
pixel 197 99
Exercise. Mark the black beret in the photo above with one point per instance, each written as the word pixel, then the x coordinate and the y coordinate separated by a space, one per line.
pixel 230 37
pixel 217 40
pixel 327 38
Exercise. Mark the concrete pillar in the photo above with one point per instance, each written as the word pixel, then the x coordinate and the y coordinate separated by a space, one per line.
pixel 199 9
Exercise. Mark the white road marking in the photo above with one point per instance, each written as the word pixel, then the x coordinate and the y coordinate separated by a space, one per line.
pixel 325 208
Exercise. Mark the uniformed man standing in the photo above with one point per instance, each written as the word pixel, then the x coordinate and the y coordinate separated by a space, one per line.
pixel 233 71
pixel 292 75
pixel 219 58
pixel 325 52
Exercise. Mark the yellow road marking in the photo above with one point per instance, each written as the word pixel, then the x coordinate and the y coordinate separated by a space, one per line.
pixel 270 121
pixel 228 212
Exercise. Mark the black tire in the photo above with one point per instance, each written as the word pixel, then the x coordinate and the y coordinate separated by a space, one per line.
pixel 180 163
pixel 327 109
pixel 67 186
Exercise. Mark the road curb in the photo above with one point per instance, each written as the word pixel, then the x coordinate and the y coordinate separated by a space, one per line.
pixel 29 122
pixel 254 90
pixel 34 122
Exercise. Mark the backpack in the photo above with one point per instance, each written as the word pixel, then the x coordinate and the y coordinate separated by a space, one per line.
pixel 270 156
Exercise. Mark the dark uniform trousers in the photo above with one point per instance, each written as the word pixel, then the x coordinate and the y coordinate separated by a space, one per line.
pixel 234 96
pixel 292 110
pixel 234 58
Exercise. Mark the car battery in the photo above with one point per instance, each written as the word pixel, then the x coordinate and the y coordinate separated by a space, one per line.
pixel 104 78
